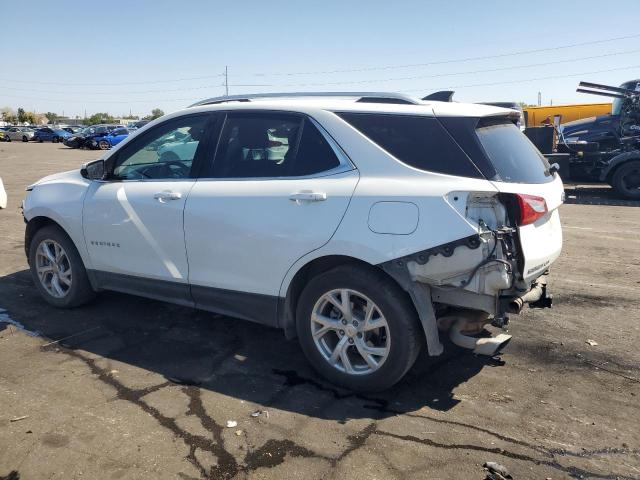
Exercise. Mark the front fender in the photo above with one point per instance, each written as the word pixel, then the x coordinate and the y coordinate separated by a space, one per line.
pixel 617 160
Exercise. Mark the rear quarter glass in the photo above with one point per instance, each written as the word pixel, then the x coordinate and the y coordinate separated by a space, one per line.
pixel 514 157
pixel 418 141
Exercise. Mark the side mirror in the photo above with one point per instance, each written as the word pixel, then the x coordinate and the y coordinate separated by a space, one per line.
pixel 94 170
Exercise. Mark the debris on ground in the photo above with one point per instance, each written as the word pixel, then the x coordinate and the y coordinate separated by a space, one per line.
pixel 495 471
pixel 593 343
pixel 17 419
pixel 257 413
pixel 231 423
pixel 238 432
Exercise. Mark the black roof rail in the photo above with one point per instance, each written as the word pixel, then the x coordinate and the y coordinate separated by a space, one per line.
pixel 365 97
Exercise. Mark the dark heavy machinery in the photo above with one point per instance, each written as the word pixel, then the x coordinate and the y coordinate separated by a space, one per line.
pixel 606 148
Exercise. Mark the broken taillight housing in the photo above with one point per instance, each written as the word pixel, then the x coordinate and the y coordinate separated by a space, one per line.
pixel 531 208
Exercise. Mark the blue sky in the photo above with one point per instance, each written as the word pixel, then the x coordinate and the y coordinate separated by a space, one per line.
pixel 119 56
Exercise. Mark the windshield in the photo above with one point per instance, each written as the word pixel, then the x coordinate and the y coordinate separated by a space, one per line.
pixel 513 156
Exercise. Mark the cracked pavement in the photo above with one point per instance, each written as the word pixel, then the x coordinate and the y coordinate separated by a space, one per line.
pixel 133 388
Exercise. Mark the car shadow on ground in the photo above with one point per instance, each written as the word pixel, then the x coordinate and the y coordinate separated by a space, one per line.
pixel 596 194
pixel 236 358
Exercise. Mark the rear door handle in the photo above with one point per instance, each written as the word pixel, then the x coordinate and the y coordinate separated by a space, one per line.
pixel 303 197
pixel 167 195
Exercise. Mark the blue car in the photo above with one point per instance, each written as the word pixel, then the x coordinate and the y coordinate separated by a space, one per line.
pixel 106 141
pixel 48 134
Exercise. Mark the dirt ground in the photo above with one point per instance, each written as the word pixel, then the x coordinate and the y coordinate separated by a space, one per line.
pixel 137 389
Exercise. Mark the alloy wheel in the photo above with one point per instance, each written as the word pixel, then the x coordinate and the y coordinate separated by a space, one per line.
pixel 53 268
pixel 350 332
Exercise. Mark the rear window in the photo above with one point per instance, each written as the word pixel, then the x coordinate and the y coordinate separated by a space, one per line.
pixel 513 156
pixel 418 141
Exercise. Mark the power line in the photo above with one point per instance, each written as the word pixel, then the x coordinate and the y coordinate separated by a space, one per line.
pixel 525 80
pixel 226 85
pixel 438 75
pixel 349 70
pixel 457 60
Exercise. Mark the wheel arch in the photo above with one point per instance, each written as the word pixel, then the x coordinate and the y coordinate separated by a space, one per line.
pixel 617 162
pixel 287 305
pixel 35 224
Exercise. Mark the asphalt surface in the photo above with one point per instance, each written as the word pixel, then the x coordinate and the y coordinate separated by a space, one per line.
pixel 132 388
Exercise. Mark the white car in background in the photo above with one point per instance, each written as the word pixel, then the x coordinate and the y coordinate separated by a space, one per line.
pixel 19 134
pixel 367 225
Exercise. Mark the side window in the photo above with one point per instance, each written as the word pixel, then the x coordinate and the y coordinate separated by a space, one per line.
pixel 165 152
pixel 255 145
pixel 418 141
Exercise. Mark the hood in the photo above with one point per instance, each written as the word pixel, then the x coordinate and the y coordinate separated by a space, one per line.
pixel 601 121
pixel 71 176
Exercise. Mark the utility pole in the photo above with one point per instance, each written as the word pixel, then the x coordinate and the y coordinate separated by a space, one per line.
pixel 539 99
pixel 226 80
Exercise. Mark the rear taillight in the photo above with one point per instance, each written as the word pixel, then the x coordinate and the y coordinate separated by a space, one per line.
pixel 531 208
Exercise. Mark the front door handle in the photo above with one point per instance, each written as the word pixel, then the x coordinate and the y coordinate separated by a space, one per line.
pixel 302 197
pixel 167 195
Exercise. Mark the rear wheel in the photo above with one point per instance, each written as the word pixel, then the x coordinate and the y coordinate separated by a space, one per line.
pixel 358 328
pixel 25 138
pixel 626 180
pixel 57 269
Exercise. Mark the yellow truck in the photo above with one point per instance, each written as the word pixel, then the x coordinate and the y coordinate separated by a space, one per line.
pixel 537 116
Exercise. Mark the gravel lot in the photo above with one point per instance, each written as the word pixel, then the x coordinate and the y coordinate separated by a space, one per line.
pixel 133 388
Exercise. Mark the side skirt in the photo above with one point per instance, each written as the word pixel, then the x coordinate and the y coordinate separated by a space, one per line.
pixel 247 306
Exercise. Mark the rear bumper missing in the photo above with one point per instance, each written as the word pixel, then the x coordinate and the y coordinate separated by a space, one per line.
pixel 538 296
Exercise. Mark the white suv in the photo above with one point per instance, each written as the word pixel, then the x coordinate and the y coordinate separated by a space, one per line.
pixel 365 224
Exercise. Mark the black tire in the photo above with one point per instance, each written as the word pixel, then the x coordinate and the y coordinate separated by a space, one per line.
pixel 104 145
pixel 405 337
pixel 54 140
pixel 8 138
pixel 626 180
pixel 80 291
pixel 40 140
pixel 25 138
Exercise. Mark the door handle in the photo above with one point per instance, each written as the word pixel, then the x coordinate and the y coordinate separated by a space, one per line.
pixel 167 195
pixel 302 197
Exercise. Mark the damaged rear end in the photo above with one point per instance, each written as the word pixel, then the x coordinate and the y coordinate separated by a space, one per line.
pixel 461 286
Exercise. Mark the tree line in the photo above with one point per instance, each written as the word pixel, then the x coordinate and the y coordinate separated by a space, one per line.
pixel 8 115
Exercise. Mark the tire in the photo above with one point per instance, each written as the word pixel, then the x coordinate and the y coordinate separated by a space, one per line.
pixel 8 138
pixel 104 145
pixel 78 290
pixel 626 180
pixel 40 140
pixel 401 338
pixel 25 139
pixel 54 140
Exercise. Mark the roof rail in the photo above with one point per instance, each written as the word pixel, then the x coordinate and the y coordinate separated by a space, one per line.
pixel 372 97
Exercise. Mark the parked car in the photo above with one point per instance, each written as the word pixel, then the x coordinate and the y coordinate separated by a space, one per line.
pixel 367 225
pixel 48 134
pixel 19 134
pixel 83 138
pixel 106 141
pixel 72 130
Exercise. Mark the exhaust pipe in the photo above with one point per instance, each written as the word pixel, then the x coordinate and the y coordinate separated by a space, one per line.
pixel 481 346
pixel 537 294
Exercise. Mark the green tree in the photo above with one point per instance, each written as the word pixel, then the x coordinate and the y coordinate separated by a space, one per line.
pixel 21 113
pixel 30 118
pixel 51 117
pixel 155 113
pixel 100 117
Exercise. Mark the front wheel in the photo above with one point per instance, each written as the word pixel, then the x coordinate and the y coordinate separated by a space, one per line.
pixel 626 180
pixel 358 328
pixel 57 269
pixel 25 138
pixel 104 145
